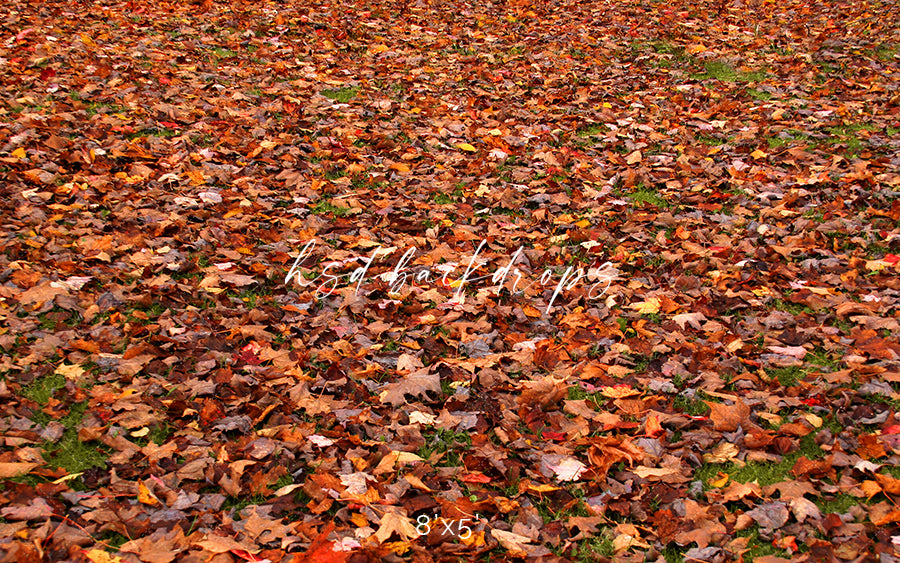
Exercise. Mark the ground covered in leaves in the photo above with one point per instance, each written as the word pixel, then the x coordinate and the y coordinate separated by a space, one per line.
pixel 588 280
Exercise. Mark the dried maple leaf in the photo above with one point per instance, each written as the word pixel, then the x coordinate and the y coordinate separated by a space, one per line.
pixel 395 522
pixel 728 418
pixel 416 384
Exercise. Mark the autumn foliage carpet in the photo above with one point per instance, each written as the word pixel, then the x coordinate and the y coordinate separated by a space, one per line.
pixel 609 280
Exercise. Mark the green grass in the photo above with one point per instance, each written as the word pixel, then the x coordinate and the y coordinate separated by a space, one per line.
pixel 786 138
pixel 787 376
pixel 886 51
pixel 445 441
pixel 68 453
pixel 577 392
pixel 726 73
pixel 763 473
pixel 759 95
pixel 324 206
pixel 592 130
pixel 673 554
pixel 648 195
pixel 710 140
pixel 691 407
pixel 236 504
pixel 342 95
pixel 792 308
pixel 839 504
pixel 757 547
pixel 71 454
pixel 847 134
pixel 113 540
pixel 223 53
pixel 42 388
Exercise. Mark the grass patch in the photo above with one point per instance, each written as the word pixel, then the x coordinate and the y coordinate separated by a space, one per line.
pixel 649 196
pixel 786 138
pixel 223 53
pixel 757 547
pixel 439 441
pixel 690 406
pixel 236 504
pixel 839 504
pixel 68 453
pixel 324 207
pixel 848 134
pixel 42 388
pixel 592 130
pixel 763 473
pixel 341 95
pixel 710 140
pixel 886 51
pixel 759 95
pixel 792 308
pixel 723 71
pixel 787 376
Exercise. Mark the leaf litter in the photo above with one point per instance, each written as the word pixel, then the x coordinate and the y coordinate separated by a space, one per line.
pixel 590 281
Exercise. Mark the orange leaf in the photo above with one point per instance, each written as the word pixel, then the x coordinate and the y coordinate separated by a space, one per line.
pixel 476 478
pixel 145 496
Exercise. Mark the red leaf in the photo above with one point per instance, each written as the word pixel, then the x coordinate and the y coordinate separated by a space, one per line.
pixel 476 478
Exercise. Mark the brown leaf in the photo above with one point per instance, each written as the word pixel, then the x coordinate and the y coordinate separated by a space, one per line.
pixel 417 384
pixel 395 523
pixel 8 470
pixel 728 418
pixel 162 546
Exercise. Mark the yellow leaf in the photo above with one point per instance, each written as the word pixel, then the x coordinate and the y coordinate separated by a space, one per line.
pixel 724 452
pixel 100 556
pixel 398 547
pixel 720 481
pixel 695 48
pixel 816 421
pixel 466 147
pixel 400 167
pixel 647 307
pixel 407 457
pixel 583 223
pixel 196 177
pixel 757 154
pixel 70 372
pixel 619 392
pixel 19 153
pixel 141 433
pixel 542 488
pixel 472 539
pixel 145 496
pixel 607 105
